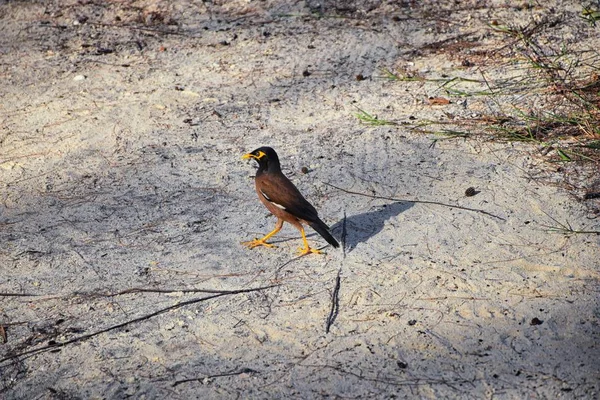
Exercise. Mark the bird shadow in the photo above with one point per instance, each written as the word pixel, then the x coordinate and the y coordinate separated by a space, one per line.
pixel 361 227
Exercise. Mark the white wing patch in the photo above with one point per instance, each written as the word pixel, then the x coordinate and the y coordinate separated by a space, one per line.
pixel 271 201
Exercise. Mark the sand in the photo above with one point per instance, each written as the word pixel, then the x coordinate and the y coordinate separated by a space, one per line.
pixel 122 130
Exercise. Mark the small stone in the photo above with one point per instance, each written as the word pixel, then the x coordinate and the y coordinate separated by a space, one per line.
pixel 471 192
pixel 79 78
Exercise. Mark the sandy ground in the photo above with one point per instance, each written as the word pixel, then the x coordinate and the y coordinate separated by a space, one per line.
pixel 122 127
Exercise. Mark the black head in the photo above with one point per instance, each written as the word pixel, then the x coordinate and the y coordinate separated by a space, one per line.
pixel 266 158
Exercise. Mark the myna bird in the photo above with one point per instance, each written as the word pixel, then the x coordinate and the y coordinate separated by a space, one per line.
pixel 284 201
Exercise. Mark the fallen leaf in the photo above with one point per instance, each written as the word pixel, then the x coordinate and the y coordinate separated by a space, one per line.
pixel 436 101
pixel 3 337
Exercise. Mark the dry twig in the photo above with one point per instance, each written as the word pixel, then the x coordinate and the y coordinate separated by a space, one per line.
pixel 129 322
pixel 232 373
pixel 416 201
pixel 335 303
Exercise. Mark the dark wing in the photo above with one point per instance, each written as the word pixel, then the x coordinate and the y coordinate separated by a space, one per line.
pixel 281 192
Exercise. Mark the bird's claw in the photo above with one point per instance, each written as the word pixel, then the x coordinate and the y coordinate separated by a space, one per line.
pixel 302 251
pixel 258 242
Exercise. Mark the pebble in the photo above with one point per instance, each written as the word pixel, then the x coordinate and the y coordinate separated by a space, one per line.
pixel 79 78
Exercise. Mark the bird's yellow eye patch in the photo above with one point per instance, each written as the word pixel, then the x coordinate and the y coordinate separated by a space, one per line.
pixel 260 155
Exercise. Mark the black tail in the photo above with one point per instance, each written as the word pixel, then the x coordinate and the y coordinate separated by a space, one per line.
pixel 323 230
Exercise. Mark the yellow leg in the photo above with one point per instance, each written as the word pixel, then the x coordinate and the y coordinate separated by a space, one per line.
pixel 263 242
pixel 306 249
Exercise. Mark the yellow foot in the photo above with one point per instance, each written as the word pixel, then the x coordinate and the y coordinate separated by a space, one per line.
pixel 257 242
pixel 307 250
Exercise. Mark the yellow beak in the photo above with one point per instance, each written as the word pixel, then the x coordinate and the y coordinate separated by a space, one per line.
pixel 256 157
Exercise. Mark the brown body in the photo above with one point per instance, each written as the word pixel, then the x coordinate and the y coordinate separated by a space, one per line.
pixel 266 185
